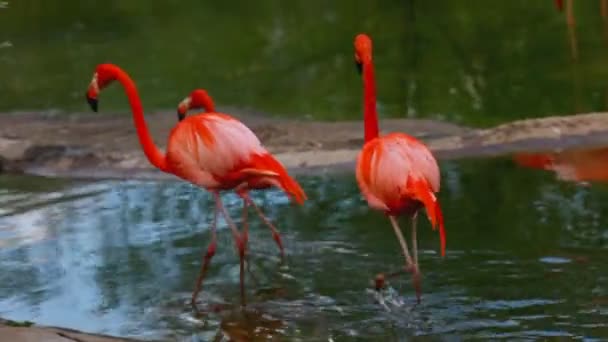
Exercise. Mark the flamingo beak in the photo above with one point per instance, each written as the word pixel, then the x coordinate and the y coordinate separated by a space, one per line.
pixel 92 93
pixel 358 63
pixel 183 107
pixel 92 102
pixel 180 115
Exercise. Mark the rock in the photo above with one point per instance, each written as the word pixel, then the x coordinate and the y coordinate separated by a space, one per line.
pixel 13 149
pixel 10 166
pixel 43 153
pixel 28 332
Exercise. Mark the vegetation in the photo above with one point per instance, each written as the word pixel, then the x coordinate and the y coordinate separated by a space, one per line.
pixel 470 62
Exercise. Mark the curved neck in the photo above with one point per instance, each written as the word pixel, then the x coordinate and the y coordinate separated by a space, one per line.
pixel 370 117
pixel 208 104
pixel 154 155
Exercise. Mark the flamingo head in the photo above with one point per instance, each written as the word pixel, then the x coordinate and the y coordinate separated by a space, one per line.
pixel 363 50
pixel 199 98
pixel 103 76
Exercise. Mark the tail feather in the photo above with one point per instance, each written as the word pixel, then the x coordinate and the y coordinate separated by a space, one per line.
pixel 271 167
pixel 292 187
pixel 422 192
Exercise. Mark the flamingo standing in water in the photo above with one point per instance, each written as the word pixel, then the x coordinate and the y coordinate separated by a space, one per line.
pixel 200 99
pixel 396 173
pixel 210 150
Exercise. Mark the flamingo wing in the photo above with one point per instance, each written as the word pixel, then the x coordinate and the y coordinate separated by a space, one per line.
pixel 210 145
pixel 215 150
pixel 396 173
pixel 387 164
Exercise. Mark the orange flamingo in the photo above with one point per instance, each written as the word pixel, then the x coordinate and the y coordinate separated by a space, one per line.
pixel 396 173
pixel 211 150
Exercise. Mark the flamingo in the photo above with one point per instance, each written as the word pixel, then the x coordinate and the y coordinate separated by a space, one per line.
pixel 396 173
pixel 199 98
pixel 211 150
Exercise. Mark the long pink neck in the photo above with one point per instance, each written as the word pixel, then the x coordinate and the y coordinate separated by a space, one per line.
pixel 154 155
pixel 370 117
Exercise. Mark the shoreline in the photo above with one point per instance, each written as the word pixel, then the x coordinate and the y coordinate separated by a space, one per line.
pixel 102 147
pixel 28 331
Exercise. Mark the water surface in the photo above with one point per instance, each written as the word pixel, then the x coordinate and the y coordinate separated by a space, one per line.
pixel 526 257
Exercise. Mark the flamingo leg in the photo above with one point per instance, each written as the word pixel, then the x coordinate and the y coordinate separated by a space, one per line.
pixel 245 224
pixel 410 266
pixel 406 252
pixel 238 240
pixel 275 233
pixel 416 277
pixel 206 261
pixel 414 239
pixel 246 239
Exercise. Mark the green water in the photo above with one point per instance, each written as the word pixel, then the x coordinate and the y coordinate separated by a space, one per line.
pixel 470 62
pixel 526 258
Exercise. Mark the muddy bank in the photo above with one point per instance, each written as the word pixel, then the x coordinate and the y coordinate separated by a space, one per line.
pixel 106 146
pixel 27 332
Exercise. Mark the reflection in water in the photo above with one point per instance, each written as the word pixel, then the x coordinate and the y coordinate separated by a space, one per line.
pixel 577 165
pixel 571 23
pixel 250 325
pixel 120 257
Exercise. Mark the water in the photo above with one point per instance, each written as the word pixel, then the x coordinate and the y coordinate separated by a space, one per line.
pixel 464 62
pixel 526 259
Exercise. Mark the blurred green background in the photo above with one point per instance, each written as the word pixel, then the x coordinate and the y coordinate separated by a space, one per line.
pixel 472 62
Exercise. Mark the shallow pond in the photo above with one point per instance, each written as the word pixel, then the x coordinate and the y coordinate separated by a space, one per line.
pixel 526 257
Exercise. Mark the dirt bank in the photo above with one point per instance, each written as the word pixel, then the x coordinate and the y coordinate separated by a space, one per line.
pixel 105 146
pixel 25 332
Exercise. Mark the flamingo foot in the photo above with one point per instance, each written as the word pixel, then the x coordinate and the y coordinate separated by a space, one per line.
pixel 380 280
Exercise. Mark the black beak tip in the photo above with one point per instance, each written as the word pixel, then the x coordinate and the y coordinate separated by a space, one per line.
pixel 359 67
pixel 92 103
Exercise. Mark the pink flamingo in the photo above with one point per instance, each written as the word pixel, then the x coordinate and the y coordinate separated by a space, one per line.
pixel 396 173
pixel 210 150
